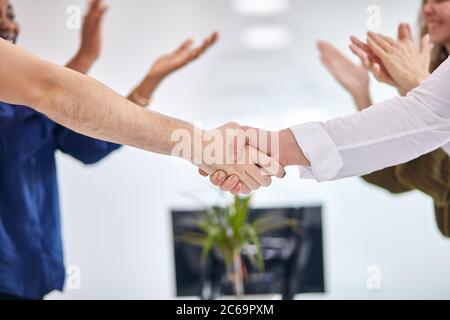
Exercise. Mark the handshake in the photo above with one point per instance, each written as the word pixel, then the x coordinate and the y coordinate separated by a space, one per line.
pixel 239 159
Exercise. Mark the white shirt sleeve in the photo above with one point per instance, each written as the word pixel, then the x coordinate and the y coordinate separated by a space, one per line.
pixel 389 133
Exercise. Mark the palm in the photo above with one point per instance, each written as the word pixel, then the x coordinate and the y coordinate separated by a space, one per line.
pixel 352 77
pixel 171 62
pixel 185 54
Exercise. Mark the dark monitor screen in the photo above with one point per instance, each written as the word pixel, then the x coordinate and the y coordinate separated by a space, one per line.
pixel 293 259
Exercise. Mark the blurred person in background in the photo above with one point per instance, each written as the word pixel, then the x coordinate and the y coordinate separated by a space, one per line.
pixel 31 251
pixel 429 173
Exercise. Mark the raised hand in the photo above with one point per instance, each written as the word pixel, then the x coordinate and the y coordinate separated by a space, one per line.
pixel 371 62
pixel 407 65
pixel 91 37
pixel 354 78
pixel 182 56
pixel 91 34
pixel 169 63
pixel 396 62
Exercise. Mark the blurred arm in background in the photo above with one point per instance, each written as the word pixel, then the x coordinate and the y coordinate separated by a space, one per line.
pixel 90 150
pixel 353 78
pixel 91 38
pixel 168 64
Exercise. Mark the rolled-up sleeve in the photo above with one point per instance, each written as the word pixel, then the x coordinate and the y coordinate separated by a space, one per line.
pixel 85 149
pixel 387 134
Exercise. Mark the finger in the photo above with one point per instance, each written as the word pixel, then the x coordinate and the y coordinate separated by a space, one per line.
pixel 215 37
pixel 404 32
pixel 245 189
pixel 362 55
pixel 425 45
pixel 392 42
pixel 203 173
pixel 376 70
pixel 218 178
pixel 362 50
pixel 97 10
pixel 230 183
pixel 95 7
pixel 206 169
pixel 360 44
pixel 100 13
pixel 259 176
pixel 408 26
pixel 93 4
pixel 379 43
pixel 330 56
pixel 207 43
pixel 103 9
pixel 195 53
pixel 327 49
pixel 248 180
pixel 376 49
pixel 269 165
pixel 184 46
pixel 257 138
pixel 202 49
pixel 236 190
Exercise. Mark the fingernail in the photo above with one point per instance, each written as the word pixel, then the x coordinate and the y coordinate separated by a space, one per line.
pixel 221 177
pixel 234 180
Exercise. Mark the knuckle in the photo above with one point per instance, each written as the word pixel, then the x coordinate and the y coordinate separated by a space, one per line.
pixel 267 182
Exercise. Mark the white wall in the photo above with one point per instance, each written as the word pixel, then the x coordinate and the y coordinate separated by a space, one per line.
pixel 116 214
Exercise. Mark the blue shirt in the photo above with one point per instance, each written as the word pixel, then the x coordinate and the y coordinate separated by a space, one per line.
pixel 31 254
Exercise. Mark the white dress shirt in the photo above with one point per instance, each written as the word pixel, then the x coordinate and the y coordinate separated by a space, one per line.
pixel 389 133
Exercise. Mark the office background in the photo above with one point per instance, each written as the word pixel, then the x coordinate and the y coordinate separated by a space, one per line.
pixel 265 71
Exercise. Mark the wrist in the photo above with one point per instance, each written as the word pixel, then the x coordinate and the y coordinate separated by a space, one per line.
pixel 290 152
pixel 415 82
pixel 86 56
pixel 362 99
pixel 148 86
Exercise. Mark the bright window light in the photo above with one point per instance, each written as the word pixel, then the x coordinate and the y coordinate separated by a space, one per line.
pixel 261 7
pixel 266 37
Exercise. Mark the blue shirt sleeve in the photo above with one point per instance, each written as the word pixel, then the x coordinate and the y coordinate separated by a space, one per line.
pixel 85 149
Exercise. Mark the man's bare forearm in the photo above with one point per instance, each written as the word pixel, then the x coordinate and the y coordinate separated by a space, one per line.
pixel 81 103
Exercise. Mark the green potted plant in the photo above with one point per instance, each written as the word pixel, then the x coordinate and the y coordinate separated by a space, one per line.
pixel 229 232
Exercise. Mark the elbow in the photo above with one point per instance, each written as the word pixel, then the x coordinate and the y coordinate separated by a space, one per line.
pixel 42 86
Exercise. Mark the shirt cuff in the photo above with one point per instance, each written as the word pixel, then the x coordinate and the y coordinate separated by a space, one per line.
pixel 320 149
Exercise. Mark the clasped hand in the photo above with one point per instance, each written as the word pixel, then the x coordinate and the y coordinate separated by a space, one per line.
pixel 233 163
pixel 249 157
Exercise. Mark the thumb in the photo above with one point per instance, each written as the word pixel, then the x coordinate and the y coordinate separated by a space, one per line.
pixel 185 45
pixel 202 173
pixel 403 32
